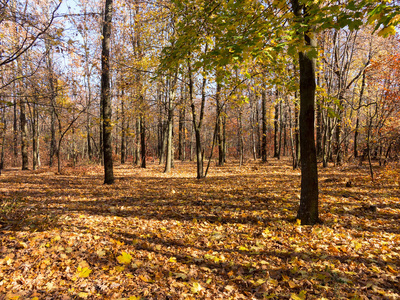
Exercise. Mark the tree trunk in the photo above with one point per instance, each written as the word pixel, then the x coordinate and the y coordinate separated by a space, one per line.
pixel 197 123
pixel 296 133
pixel 15 132
pixel 168 160
pixel 34 137
pixel 53 143
pixel 308 210
pixel 143 141
pixel 240 138
pixel 264 126
pixel 182 130
pixel 123 129
pixel 106 94
pixel 276 128
pixel 220 126
pixel 24 136
pixel 3 135
pixel 137 146
pixel 252 128
pixel 358 116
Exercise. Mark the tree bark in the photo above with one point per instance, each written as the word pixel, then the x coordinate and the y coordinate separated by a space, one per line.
pixel 308 210
pixel 24 135
pixel 170 110
pixel 123 128
pixel 264 126
pixel 276 128
pixel 358 116
pixel 106 94
pixel 143 141
pixel 220 126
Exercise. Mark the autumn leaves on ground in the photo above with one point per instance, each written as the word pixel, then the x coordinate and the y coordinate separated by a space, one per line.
pixel 229 236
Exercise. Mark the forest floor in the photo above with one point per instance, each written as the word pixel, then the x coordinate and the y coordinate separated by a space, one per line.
pixel 232 235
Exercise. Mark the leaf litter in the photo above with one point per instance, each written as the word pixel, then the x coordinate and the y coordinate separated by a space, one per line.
pixel 231 235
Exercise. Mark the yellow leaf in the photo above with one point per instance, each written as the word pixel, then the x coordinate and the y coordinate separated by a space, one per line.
pixel 146 278
pixel 242 248
pixel 83 295
pixel 285 278
pixel 390 30
pixel 119 268
pixel 84 272
pixel 56 238
pixel 292 284
pixel 196 288
pixel 296 297
pixel 259 282
pixel 125 258
pixel 274 282
pixel 391 270
pixel 172 259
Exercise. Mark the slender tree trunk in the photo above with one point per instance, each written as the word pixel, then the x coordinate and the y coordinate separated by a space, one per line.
pixel 296 133
pixel 3 135
pixel 182 130
pixel 281 129
pixel 240 138
pixel 264 126
pixel 53 143
pixel 319 130
pixel 123 129
pixel 252 128
pixel 106 94
pixel 308 209
pixel 137 142
pixel 34 138
pixel 220 126
pixel 168 161
pixel 15 132
pixel 143 141
pixel 358 116
pixel 276 129
pixel 24 136
pixel 197 123
pixel 259 132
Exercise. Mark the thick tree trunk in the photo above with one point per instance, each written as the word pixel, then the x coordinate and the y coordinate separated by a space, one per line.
pixel 308 210
pixel 106 94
